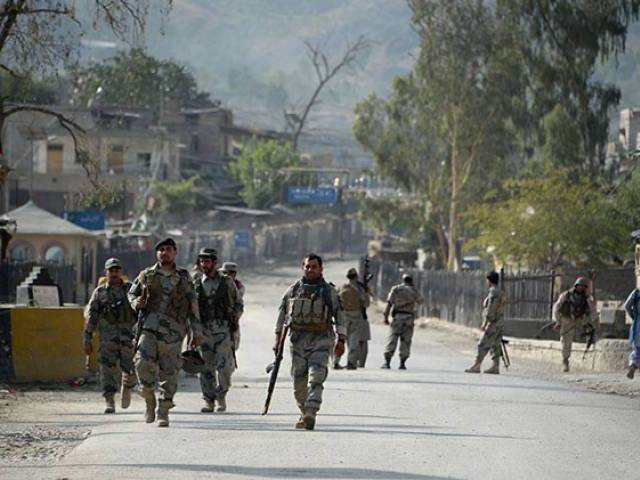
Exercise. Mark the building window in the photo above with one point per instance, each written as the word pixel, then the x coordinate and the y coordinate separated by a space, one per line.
pixel 115 159
pixel 22 252
pixel 144 162
pixel 54 255
pixel 55 157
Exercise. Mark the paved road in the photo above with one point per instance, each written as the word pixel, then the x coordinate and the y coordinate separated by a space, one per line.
pixel 430 422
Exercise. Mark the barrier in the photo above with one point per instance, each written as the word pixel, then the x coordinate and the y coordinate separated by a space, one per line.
pixel 41 344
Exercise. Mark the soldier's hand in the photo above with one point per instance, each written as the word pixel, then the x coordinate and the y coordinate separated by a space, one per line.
pixel 483 327
pixel 197 341
pixel 556 327
pixel 142 300
pixel 386 320
pixel 340 346
pixel 88 348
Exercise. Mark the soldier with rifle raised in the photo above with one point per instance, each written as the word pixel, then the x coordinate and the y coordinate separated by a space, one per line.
pixel 310 308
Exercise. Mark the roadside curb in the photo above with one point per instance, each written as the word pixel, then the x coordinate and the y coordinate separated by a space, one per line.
pixel 607 355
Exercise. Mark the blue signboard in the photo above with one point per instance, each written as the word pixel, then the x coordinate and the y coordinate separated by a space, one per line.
pixel 91 220
pixel 311 195
pixel 242 239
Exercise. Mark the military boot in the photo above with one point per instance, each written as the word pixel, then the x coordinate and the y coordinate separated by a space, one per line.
pixel 495 368
pixel 125 397
pixel 475 368
pixel 565 365
pixel 352 366
pixel 403 365
pixel 337 366
pixel 300 423
pixel 222 404
pixel 208 406
pixel 387 362
pixel 163 412
pixel 149 395
pixel 631 372
pixel 309 418
pixel 111 405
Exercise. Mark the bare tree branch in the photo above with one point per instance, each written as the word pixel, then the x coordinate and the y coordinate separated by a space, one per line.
pixel 325 72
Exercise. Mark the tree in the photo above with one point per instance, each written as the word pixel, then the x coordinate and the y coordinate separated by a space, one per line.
pixel 257 170
pixel 549 219
pixel 177 197
pixel 562 42
pixel 138 80
pixel 447 128
pixel 43 36
pixel 325 71
pixel 562 144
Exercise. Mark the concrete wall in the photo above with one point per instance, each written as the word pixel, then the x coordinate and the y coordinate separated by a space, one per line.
pixel 41 344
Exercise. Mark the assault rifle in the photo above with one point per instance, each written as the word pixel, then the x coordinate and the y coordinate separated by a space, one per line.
pixel 505 353
pixel 366 278
pixel 145 297
pixel 590 334
pixel 274 368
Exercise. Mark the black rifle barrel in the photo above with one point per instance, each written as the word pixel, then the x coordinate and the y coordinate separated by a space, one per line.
pixel 276 367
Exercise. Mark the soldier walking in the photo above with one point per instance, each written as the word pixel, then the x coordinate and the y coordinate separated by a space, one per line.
pixel 492 326
pixel 355 300
pixel 632 307
pixel 231 269
pixel 308 306
pixel 167 308
pixel 401 303
pixel 109 312
pixel 220 308
pixel 573 310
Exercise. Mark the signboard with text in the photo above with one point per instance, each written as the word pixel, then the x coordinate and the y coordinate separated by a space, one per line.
pixel 89 219
pixel 312 195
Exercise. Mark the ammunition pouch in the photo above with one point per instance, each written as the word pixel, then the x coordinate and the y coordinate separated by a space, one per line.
pixel 310 327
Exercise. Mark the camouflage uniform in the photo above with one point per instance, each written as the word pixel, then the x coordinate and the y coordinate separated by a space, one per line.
pixel 170 311
pixel 108 311
pixel 354 301
pixel 493 317
pixel 573 311
pixel 402 302
pixel 309 308
pixel 220 307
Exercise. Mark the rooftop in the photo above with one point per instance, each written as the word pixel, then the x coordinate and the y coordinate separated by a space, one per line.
pixel 31 219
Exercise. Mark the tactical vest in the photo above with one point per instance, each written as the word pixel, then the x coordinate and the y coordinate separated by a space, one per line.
pixel 310 306
pixel 575 305
pixel 405 300
pixel 212 307
pixel 116 311
pixel 351 297
pixel 178 304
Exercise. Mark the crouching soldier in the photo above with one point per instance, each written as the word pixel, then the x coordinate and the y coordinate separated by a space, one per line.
pixel 109 313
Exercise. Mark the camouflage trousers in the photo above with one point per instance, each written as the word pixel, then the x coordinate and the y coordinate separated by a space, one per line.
pixel 309 359
pixel 568 328
pixel 491 341
pixel 219 364
pixel 115 358
pixel 155 359
pixel 401 328
pixel 358 333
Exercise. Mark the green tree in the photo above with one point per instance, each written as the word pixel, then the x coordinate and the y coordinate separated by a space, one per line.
pixel 139 80
pixel 562 145
pixel 563 41
pixel 257 169
pixel 447 128
pixel 548 219
pixel 177 197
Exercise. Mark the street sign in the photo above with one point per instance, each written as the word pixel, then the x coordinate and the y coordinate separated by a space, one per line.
pixel 310 195
pixel 89 219
pixel 242 239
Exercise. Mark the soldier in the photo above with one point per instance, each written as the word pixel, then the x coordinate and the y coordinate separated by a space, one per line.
pixel 574 309
pixel 308 306
pixel 167 307
pixel 401 303
pixel 354 301
pixel 220 308
pixel 109 312
pixel 492 326
pixel 632 307
pixel 231 269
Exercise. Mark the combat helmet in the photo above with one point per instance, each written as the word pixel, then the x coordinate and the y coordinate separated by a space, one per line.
pixel 581 281
pixel 192 362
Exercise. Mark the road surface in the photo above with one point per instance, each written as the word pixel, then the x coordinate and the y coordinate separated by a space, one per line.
pixel 432 421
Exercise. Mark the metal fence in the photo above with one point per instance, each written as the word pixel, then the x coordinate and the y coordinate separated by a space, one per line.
pixel 12 274
pixel 457 296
